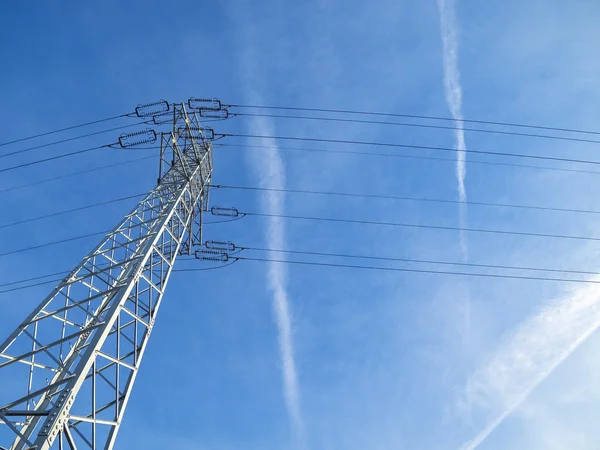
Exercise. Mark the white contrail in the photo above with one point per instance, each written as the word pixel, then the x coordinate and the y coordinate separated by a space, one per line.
pixel 532 353
pixel 268 167
pixel 453 90
pixel 271 172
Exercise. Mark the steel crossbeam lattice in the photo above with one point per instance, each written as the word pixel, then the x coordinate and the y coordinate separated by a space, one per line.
pixel 74 359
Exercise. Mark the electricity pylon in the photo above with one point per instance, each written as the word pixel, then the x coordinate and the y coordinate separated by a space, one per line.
pixel 67 371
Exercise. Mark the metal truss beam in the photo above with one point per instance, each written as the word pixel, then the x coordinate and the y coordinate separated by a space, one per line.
pixel 74 359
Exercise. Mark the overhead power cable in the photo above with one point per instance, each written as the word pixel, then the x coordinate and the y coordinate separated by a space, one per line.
pixel 52 158
pixel 416 225
pixel 236 257
pixel 58 280
pixel 410 146
pixel 47 133
pixel 348 221
pixel 19 288
pixel 64 155
pixel 312 192
pixel 403 269
pixel 49 244
pixel 352 266
pixel 421 261
pixel 407 198
pixel 62 241
pixel 424 271
pixel 449 160
pixel 414 157
pixel 418 125
pixel 416 116
pixel 68 211
pixel 74 174
pixel 62 141
pixel 40 277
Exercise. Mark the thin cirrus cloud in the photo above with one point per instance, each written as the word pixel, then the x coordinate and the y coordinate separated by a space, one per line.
pixel 529 355
pixel 270 171
pixel 453 91
pixel 272 175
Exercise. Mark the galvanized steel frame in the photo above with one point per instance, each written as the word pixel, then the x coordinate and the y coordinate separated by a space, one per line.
pixel 76 356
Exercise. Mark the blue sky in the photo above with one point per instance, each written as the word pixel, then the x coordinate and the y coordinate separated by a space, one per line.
pixel 382 360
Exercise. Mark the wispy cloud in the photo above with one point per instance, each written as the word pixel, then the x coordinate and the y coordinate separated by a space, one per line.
pixel 269 169
pixel 453 90
pixel 529 355
pixel 271 173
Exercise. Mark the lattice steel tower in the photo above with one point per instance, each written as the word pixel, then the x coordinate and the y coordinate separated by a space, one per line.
pixel 72 362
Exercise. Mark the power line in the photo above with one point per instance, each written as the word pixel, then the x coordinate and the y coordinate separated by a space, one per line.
pixel 338 220
pixel 49 244
pixel 64 155
pixel 299 191
pixel 80 208
pixel 236 258
pixel 49 144
pixel 421 261
pixel 428 158
pixel 68 211
pixel 416 199
pixel 25 280
pixel 415 116
pixel 410 146
pixel 73 174
pixel 63 129
pixel 418 125
pixel 58 280
pixel 402 269
pixel 492 163
pixel 415 225
pixel 351 266
pixel 41 283
pixel 62 241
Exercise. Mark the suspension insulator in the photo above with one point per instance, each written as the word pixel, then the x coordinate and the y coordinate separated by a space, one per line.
pixel 211 255
pixel 227 212
pixel 146 136
pixel 204 133
pixel 220 245
pixel 152 109
pixel 212 114
pixel 204 103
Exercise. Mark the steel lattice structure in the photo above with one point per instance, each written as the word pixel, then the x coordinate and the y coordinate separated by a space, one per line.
pixel 73 361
